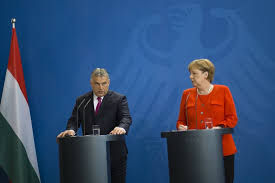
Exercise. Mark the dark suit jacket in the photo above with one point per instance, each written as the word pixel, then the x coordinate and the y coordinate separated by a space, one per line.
pixel 113 112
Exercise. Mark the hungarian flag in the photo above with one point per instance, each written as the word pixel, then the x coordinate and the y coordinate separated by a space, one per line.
pixel 17 149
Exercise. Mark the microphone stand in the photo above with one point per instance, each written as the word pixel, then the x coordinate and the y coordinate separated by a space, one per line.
pixel 84 110
pixel 77 109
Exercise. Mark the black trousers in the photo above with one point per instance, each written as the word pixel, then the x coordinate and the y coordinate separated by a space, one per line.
pixel 229 168
pixel 118 170
pixel 118 154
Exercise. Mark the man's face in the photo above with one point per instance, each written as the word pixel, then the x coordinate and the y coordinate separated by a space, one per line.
pixel 100 85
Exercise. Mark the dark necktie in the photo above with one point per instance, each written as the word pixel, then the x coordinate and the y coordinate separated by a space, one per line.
pixel 98 104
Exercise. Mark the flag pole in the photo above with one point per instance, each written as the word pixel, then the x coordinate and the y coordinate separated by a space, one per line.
pixel 13 20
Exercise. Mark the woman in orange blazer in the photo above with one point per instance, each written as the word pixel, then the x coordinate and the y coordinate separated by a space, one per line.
pixel 206 100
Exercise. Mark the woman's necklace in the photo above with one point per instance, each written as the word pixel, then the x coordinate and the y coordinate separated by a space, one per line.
pixel 209 90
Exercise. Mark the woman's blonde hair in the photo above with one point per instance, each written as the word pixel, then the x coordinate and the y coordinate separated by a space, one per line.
pixel 204 65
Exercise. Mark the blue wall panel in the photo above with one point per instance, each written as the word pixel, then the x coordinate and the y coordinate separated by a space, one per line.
pixel 146 46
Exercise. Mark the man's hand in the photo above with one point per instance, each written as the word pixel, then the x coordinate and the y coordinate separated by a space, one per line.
pixel 182 128
pixel 118 131
pixel 67 132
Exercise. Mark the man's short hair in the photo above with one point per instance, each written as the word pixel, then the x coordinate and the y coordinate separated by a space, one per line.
pixel 99 72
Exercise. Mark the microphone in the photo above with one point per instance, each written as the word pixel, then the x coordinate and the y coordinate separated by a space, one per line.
pixel 186 114
pixel 84 110
pixel 77 114
pixel 196 110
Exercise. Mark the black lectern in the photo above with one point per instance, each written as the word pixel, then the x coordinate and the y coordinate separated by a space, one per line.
pixel 85 159
pixel 195 156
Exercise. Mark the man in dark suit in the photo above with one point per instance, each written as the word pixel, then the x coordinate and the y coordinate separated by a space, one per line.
pixel 110 111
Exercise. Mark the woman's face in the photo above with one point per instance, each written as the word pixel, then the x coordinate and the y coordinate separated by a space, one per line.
pixel 197 77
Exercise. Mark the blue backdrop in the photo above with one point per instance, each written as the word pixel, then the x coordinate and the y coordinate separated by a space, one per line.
pixel 146 46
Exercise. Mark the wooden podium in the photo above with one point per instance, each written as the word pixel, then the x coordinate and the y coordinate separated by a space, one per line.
pixel 196 156
pixel 86 159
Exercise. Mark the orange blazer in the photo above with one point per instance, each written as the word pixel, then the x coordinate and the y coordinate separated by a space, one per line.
pixel 218 105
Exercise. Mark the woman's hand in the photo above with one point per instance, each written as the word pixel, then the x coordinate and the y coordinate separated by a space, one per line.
pixel 182 128
pixel 217 127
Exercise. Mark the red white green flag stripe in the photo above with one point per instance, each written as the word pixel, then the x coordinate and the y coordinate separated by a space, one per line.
pixel 17 149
